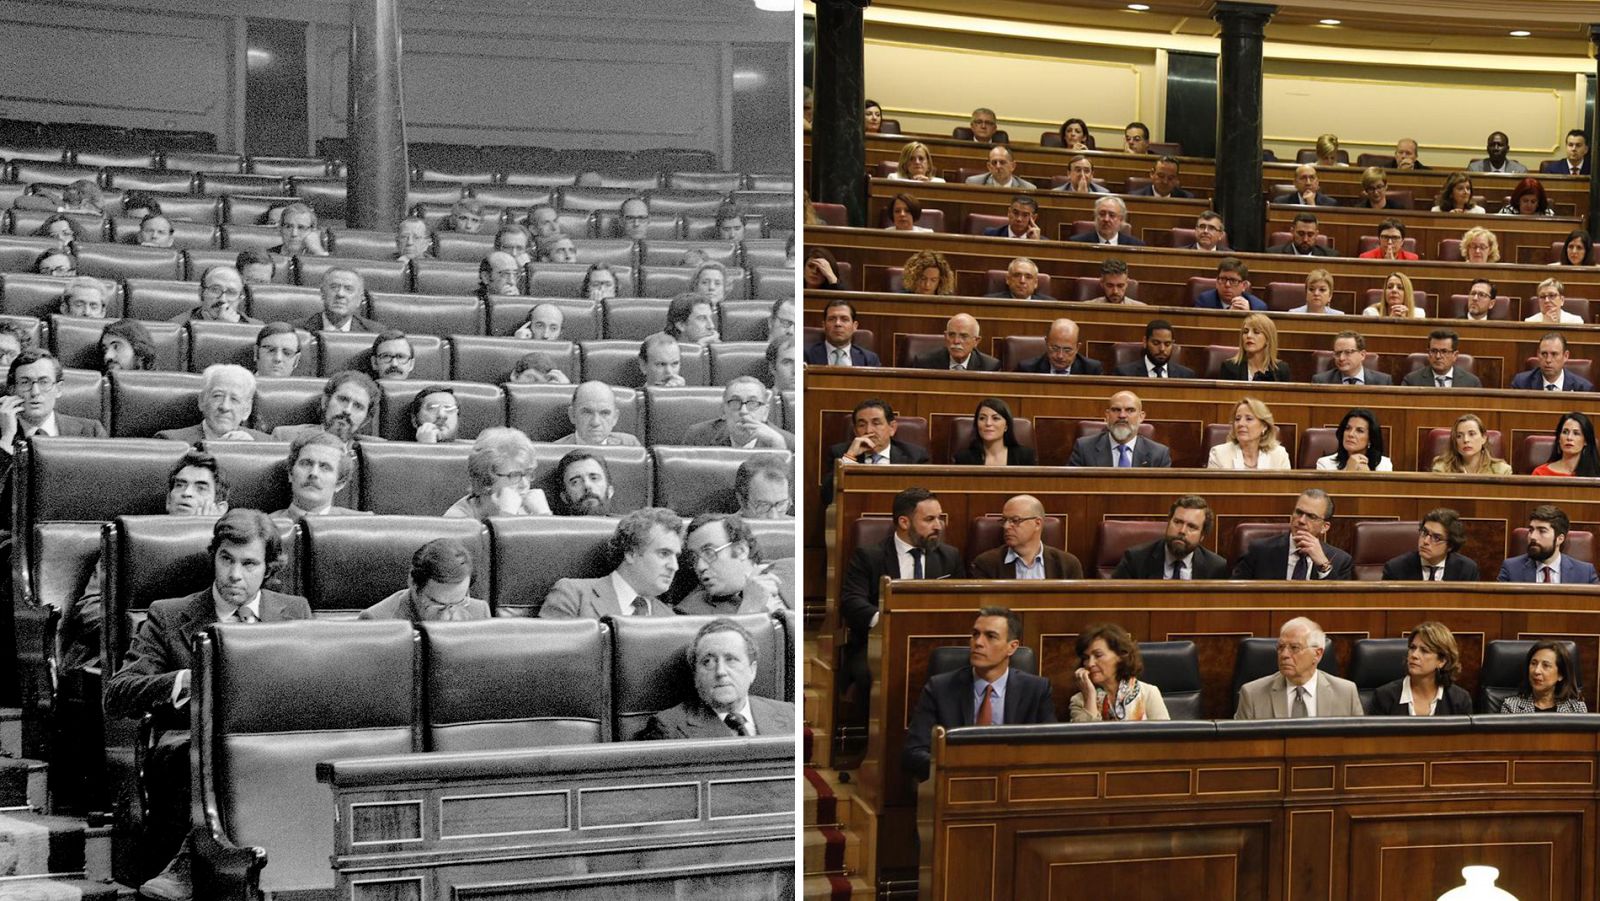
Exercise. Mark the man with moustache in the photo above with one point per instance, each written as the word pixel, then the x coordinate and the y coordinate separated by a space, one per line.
pixel 1544 562
pixel 319 468
pixel 1177 554
pixel 1024 554
pixel 1121 445
pixel 348 399
pixel 1159 347
pixel 582 486
pixel 393 357
pixel 435 414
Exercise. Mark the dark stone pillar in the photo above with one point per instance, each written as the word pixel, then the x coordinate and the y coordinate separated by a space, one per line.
pixel 1239 198
pixel 1593 222
pixel 838 137
pixel 376 122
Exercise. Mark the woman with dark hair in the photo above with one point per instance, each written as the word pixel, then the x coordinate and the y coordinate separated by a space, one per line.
pixel 994 438
pixel 822 269
pixel 1360 445
pixel 1547 683
pixel 1075 135
pixel 59 227
pixel 903 214
pixel 1578 251
pixel 1456 195
pixel 873 116
pixel 1528 199
pixel 1433 664
pixel 599 283
pixel 1108 679
pixel 1573 453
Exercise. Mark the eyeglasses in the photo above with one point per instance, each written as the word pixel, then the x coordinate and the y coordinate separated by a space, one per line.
pixel 1440 351
pixel 1479 295
pixel 219 291
pixel 1061 348
pixel 708 554
pixel 1549 295
pixel 23 386
pixel 1391 238
pixel 1018 520
pixel 57 270
pixel 506 273
pixel 515 474
pixel 744 403
pixel 761 509
pixel 391 358
pixel 1431 536
pixel 1207 227
pixel 1307 516
pixel 1229 280
pixel 446 409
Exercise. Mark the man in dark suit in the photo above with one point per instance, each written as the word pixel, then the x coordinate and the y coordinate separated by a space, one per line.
pixel 914 551
pixel 1022 220
pixel 1577 161
pixel 837 347
pixel 1163 181
pixel 1544 562
pixel 1120 444
pixel 960 351
pixel 874 444
pixel 1405 155
pixel 1551 373
pixel 1024 554
pixel 722 658
pixel 1233 289
pixel 227 395
pixel 1061 355
pixel 734 577
pixel 1110 213
pixel 154 676
pixel 1303 238
pixel 1349 363
pixel 33 385
pixel 1440 536
pixel 1210 233
pixel 1442 370
pixel 647 544
pixel 1177 554
pixel 1301 552
pixel 1156 362
pixel 342 292
pixel 1022 282
pixel 1307 189
pixel 986 693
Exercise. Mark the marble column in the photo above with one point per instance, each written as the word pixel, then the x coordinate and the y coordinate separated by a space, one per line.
pixel 1239 197
pixel 1593 222
pixel 838 137
pixel 379 171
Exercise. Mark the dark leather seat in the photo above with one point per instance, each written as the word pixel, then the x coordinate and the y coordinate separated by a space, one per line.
pixel 185 207
pixel 686 201
pixel 1505 666
pixel 566 280
pixel 300 166
pixel 17 252
pixel 1579 544
pixel 462 248
pixel 453 277
pixel 531 553
pixel 1375 662
pixel 667 281
pixel 1455 307
pixel 650 671
pixel 732 359
pixel 251 208
pixel 228 183
pixel 283 303
pixel 291 400
pixel 695 480
pixel 258 474
pixel 93 479
pixel 195 263
pixel 745 320
pixel 367 244
pixel 126 261
pixel 629 467
pixel 202 161
pixel 1316 443
pixel 614 252
pixel 948 658
pixel 1248 533
pixel 587 198
pixel 1113 537
pixel 961 434
pixel 670 411
pixel 634 318
pixel 704 181
pixel 1376 543
pixel 580 318
pixel 109 157
pixel 765 253
pixel 349 563
pixel 91 227
pixel 338 351
pixel 233 342
pixel 771 284
pixel 85 392
pixel 237 237
pixel 1257 657
pixel 667 252
pixel 185 235
pixel 127 178
pixel 478 359
pixel 403 477
pixel 540 411
pixel 144 403
pixel 27 172
pixel 158 300
pixel 617 363
pixel 482 406
pixel 379 275
pixel 513 197
pixel 988 532
pixel 75 340
pixel 1174 667
pixel 776 206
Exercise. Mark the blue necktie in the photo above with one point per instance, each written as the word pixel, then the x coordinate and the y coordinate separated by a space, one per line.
pixel 916 563
pixel 1122 456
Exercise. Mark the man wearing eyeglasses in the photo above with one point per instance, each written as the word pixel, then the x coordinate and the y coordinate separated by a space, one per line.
pixel 733 577
pixel 393 357
pixel 633 219
pixel 1299 554
pixel 743 423
pixel 342 292
pixel 227 395
pixel 435 415
pixel 28 408
pixel 648 543
pixel 1233 289
pixel 1480 300
pixel 499 275
pixel 1439 536
pixel 762 487
pixel 1350 363
pixel 984 124
pixel 593 414
pixel 1024 554
pixel 221 293
pixel 319 468
pixel 960 352
pixel 1210 233
pixel 1442 370
pixel 1298 689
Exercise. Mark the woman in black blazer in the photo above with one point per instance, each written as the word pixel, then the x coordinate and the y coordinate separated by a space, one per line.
pixel 994 438
pixel 1433 662
pixel 1257 360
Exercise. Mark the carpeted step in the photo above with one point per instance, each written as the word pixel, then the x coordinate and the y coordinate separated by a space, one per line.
pixel 822 804
pixel 23 782
pixel 60 889
pixel 837 888
pixel 33 844
pixel 824 849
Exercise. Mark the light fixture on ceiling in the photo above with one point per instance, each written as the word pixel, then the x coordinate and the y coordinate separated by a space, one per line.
pixel 775 6
pixel 1329 22
pixel 1139 7
pixel 1520 34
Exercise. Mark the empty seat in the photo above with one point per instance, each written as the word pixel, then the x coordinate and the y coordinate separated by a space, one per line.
pixel 444 191
pixel 29 172
pixel 481 406
pixel 403 477
pixel 474 358
pixel 650 671
pixel 338 351
pixel 517 197
pixel 1376 543
pixel 95 479
pixel 1375 662
pixel 252 208
pixel 634 318
pixel 292 400
pixel 253 237
pixel 159 299
pixel 120 179
pixel 444 277
pixel 125 261
pixel 532 552
pixel 586 198
pixel 669 412
pixel 1113 538
pixel 367 244
pixel 302 166
pixel 258 474
pixel 772 284
pixel 237 184
pixel 744 320
pixel 617 363
pixel 17 252
pixel 764 253
pixel 202 161
pixel 732 359
pixel 461 248
pixel 1174 667
pixel 352 562
pixel 144 403
pixel 90 227
pixel 614 252
pixel 283 303
pixel 429 314
pixel 691 201
pixel 705 181
pixel 670 252
pixel 691 481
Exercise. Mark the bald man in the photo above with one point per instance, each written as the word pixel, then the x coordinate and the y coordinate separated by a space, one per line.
pixel 594 416
pixel 960 351
pixel 1025 555
pixel 1307 189
pixel 1121 445
pixel 1061 355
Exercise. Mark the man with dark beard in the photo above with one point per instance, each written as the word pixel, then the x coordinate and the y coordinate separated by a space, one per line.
pixel 582 486
pixel 348 399
pixel 1544 562
pixel 1177 554
pixel 125 345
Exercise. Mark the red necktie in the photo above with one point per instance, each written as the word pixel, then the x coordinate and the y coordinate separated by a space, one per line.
pixel 986 709
pixel 1544 574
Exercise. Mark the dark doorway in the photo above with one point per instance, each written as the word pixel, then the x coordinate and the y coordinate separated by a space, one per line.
pixel 763 109
pixel 275 88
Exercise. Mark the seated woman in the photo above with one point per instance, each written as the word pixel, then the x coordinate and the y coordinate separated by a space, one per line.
pixel 822 269
pixel 928 272
pixel 1528 199
pixel 1360 445
pixel 59 263
pixel 1391 242
pixel 903 214
pixel 1328 150
pixel 1456 195
pixel 810 216
pixel 1433 664
pixel 1399 300
pixel 501 469
pixel 1468 450
pixel 536 368
pixel 1319 294
pixel 1579 250
pixel 1257 360
pixel 1075 135
pixel 994 438
pixel 711 282
pixel 1375 191
pixel 1108 679
pixel 1547 683
pixel 873 117
pixel 1479 245
pixel 916 163
pixel 1573 454
pixel 1253 442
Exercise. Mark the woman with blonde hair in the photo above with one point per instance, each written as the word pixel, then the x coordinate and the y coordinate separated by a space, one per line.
pixel 1399 300
pixel 1375 190
pixel 916 163
pixel 1253 441
pixel 1468 450
pixel 1257 360
pixel 928 272
pixel 1319 294
pixel 1328 150
pixel 1479 245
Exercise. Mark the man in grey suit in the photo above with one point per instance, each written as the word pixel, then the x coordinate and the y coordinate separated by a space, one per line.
pixel 745 402
pixel 227 395
pixel 1002 170
pixel 734 577
pixel 1442 371
pixel 1350 363
pixel 1120 444
pixel 960 351
pixel 646 544
pixel 1494 160
pixel 722 658
pixel 1298 689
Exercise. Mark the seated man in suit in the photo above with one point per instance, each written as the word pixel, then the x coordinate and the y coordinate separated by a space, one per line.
pixel 86 296
pixel 1080 178
pixel 1024 554
pixel 723 660
pixel 256 267
pixel 466 217
pixel 960 351
pixel 1442 370
pixel 1210 233
pixel 744 420
pixel 125 346
pixel 246 551
pixel 1494 159
pixel 986 693
pixel 984 125
pixel 914 551
pixel 544 323
pixel 227 395
pixel 1114 284
pixel 1233 289
pixel 319 468
pixel 1061 355
pixel 33 385
pixel 392 356
pixel 1440 537
pixel 1303 238
pixel 593 414
pixel 733 576
pixel 413 240
pixel 1405 154
pixel 516 240
pixel 298 233
pixel 277 351
pixel 1551 373
pixel 348 399
pixel 761 485
pixel 646 545
pixel 580 485
pixel 1163 181
pixel 1022 220
pixel 837 347
pixel 1299 553
pixel 1544 562
pixel 1136 138
pixel 633 219
pixel 1159 347
pixel 1002 171
pixel 1022 282
pixel 221 292
pixel 342 291
pixel 1110 213
pixel 155 230
pixel 1120 444
pixel 436 590
pixel 661 361
pixel 499 275
pixel 874 443
pixel 1177 554
pixel 435 415
pixel 1480 299
pixel 1577 161
pixel 1307 189
pixel 1298 689
pixel 1349 363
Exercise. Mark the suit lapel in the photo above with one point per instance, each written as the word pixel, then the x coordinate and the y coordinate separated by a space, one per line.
pixel 606 601
pixel 891 559
pixel 1278 689
pixel 197 614
pixel 964 683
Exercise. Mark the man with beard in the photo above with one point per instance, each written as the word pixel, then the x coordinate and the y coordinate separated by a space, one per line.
pixel 319 468
pixel 1177 554
pixel 435 415
pixel 393 357
pixel 646 545
pixel 1544 561
pixel 733 577
pixel 582 486
pixel 1121 445
pixel 1159 347
pixel 1300 553
pixel 348 399
pixel 126 345
pixel 1025 555
pixel 221 292
pixel 227 395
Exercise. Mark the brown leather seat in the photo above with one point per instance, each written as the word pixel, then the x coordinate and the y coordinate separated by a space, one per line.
pixel 1315 443
pixel 988 532
pixel 1113 537
pixel 1535 452
pixel 1579 544
pixel 1376 543
pixel 1248 533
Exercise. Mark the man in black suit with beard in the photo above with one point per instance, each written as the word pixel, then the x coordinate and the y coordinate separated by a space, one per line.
pixel 1177 554
pixel 1156 362
pixel 1440 536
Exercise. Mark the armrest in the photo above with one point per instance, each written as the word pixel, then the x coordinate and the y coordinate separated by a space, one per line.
pixel 224 871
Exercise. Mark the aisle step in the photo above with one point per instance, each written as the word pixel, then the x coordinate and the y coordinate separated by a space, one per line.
pixel 62 888
pixel 35 844
pixel 837 888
